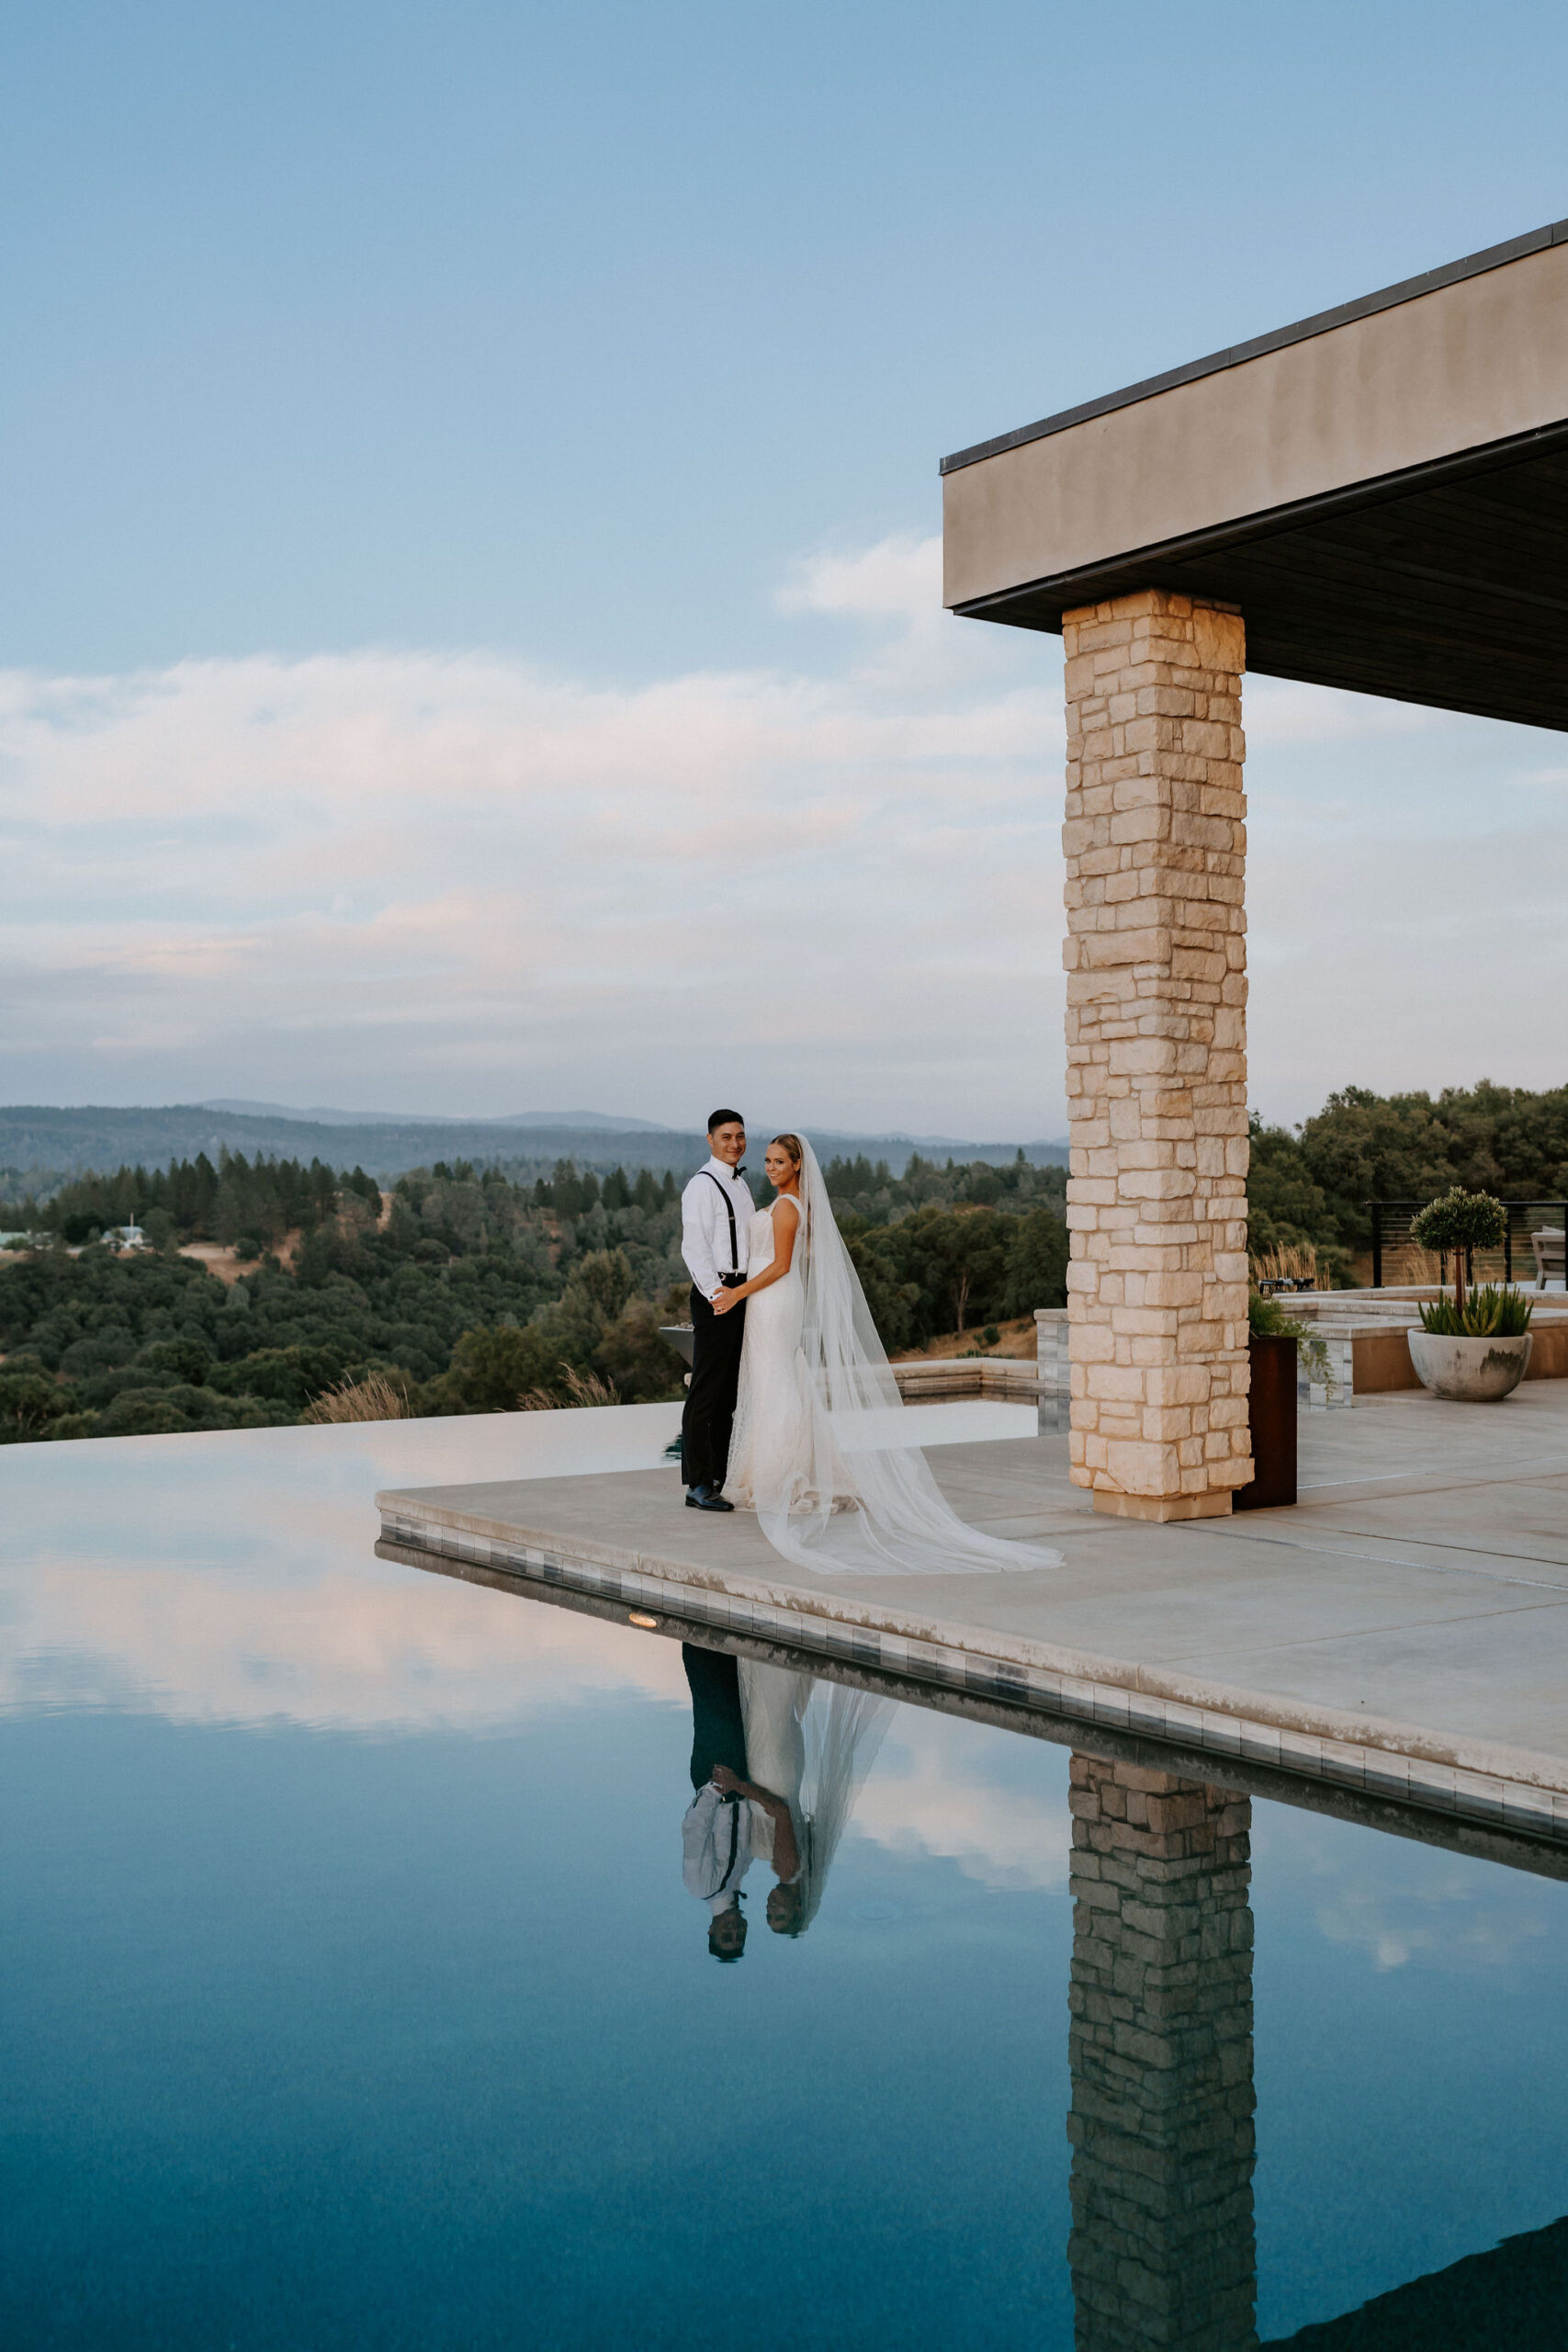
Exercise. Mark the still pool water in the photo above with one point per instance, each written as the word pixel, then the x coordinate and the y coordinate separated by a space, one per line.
pixel 350 1995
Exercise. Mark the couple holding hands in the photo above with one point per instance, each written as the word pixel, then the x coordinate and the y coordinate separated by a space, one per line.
pixel 793 1412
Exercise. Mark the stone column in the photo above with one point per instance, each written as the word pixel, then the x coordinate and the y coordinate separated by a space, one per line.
pixel 1156 1055
pixel 1160 2048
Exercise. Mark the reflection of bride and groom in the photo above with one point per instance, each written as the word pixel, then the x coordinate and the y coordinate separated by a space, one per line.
pixel 777 1762
pixel 793 1406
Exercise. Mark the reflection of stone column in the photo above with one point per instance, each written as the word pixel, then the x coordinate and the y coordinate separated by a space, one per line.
pixel 1160 2047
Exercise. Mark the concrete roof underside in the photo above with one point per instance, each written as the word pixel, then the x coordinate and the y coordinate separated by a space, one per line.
pixel 1382 491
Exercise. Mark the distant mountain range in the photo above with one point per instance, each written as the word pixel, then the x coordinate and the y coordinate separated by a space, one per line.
pixel 576 1122
pixel 40 1145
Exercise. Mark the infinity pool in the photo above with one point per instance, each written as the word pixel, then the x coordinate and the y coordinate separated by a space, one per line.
pixel 351 1996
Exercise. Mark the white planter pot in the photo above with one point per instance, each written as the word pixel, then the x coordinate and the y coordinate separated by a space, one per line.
pixel 1472 1371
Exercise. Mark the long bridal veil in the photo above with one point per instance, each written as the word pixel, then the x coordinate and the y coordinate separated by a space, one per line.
pixel 812 1743
pixel 865 1502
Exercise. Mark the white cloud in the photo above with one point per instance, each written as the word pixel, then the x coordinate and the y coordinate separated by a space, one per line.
pixel 900 577
pixel 453 882
pixel 1279 712
pixel 229 1579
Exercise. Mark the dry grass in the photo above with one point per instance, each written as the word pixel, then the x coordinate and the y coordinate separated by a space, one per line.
pixel 375 1398
pixel 1413 1265
pixel 1286 1264
pixel 1016 1339
pixel 218 1260
pixel 582 1388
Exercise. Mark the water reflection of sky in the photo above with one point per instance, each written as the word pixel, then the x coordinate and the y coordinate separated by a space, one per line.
pixel 350 1993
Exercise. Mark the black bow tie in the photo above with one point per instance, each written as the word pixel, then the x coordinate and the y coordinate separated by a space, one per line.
pixel 739 1171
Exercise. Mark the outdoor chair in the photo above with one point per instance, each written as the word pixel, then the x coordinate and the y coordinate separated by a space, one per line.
pixel 1549 1261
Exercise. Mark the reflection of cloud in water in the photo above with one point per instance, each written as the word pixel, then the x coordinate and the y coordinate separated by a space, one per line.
pixel 1452 1922
pixel 413 1653
pixel 1397 1904
pixel 930 1793
pixel 232 1580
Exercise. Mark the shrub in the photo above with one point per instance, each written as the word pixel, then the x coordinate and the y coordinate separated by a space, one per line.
pixel 155 1412
pixel 143 1412
pixel 1269 1319
pixel 290 1376
pixel 71 1425
pixel 30 1401
pixel 99 1351
pixel 641 1365
pixel 186 1358
pixel 493 1368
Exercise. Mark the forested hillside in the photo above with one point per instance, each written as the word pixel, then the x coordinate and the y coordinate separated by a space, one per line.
pixel 1313 1185
pixel 470 1291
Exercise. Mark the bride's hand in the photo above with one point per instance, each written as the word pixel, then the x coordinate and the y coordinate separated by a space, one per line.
pixel 725 1301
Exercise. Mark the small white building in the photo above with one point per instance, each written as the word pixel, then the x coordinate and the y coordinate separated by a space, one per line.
pixel 126 1236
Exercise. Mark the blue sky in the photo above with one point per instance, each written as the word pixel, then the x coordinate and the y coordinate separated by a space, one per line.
pixel 529 416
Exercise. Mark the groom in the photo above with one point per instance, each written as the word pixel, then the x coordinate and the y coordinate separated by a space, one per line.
pixel 715 1209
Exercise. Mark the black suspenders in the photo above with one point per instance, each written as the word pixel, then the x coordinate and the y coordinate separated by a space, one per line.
pixel 729 1213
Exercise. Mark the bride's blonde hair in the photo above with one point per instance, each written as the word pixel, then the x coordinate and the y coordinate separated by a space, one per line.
pixel 792 1146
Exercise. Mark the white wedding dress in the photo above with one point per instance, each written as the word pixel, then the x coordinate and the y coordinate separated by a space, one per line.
pixel 823 1449
pixel 776 1456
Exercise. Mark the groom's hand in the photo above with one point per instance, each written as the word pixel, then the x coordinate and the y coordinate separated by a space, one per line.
pixel 724 1300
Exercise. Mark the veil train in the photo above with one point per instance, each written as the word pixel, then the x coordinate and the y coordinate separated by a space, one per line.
pixel 897 1521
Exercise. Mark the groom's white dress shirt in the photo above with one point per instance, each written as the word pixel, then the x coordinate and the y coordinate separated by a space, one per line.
pixel 705 1226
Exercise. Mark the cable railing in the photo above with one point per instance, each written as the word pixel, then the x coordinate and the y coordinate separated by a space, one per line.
pixel 1392 1241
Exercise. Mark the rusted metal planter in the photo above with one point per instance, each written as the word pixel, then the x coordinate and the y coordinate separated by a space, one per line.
pixel 1273 1411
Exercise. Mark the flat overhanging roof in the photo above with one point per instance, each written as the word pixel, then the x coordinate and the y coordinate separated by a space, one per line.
pixel 1381 491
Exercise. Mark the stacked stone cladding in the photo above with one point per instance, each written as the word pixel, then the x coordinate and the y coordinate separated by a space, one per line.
pixel 1160 2045
pixel 1154 841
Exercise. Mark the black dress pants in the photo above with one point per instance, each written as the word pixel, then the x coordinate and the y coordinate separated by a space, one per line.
pixel 710 1400
pixel 718 1730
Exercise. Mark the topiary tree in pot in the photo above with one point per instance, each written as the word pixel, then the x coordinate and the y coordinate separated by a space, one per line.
pixel 1460 1222
pixel 1474 1351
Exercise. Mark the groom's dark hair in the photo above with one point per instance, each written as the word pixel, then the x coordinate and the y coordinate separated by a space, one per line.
pixel 724 1119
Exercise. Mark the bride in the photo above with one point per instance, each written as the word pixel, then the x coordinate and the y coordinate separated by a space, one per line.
pixel 822 1449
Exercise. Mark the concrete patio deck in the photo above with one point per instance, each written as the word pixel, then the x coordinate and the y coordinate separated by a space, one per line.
pixel 1402 1630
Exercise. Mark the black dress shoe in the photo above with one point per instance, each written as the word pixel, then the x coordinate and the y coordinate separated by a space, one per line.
pixel 706 1498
